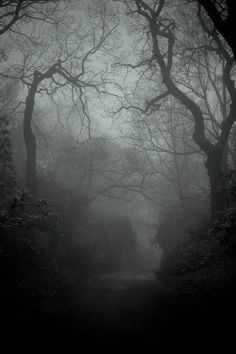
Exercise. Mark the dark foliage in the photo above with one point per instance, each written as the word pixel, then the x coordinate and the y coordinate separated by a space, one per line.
pixel 215 244
pixel 176 226
pixel 7 177
pixel 50 247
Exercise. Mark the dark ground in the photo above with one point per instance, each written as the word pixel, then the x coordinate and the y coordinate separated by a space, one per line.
pixel 123 307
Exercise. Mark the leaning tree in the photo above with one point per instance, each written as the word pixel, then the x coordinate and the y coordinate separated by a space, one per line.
pixel 58 62
pixel 161 35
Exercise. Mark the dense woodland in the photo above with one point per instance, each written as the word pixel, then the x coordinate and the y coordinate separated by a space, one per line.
pixel 117 136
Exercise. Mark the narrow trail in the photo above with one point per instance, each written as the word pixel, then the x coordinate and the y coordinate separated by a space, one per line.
pixel 122 304
pixel 129 306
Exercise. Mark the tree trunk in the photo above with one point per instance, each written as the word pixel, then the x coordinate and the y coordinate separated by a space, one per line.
pixel 215 174
pixel 30 141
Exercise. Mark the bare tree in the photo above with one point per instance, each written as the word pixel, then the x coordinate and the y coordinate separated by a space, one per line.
pixel 162 34
pixel 64 68
pixel 222 15
pixel 15 11
pixel 164 141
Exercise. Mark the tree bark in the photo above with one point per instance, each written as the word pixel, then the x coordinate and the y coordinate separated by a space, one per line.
pixel 225 27
pixel 216 153
pixel 30 141
pixel 215 174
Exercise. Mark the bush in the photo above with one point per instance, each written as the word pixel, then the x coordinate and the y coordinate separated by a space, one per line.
pixel 29 250
pixel 175 226
pixel 218 240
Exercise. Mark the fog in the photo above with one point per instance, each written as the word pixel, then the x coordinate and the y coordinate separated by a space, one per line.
pixel 117 170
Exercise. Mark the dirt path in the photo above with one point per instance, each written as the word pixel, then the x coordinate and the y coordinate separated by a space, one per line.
pixel 118 304
pixel 127 307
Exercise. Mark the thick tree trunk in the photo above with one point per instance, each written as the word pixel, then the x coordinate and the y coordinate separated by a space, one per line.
pixel 30 141
pixel 226 26
pixel 213 152
pixel 215 173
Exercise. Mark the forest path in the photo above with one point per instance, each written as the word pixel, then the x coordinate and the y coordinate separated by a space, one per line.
pixel 115 308
pixel 129 306
pixel 120 304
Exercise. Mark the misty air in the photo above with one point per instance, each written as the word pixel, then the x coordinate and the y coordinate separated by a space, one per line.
pixel 118 172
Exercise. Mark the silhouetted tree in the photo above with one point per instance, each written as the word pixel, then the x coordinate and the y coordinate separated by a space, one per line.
pixel 161 39
pixel 15 11
pixel 222 14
